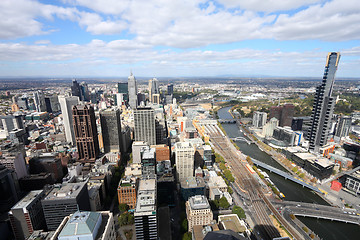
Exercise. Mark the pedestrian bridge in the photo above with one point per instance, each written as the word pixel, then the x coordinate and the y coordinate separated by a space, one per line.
pixel 227 121
pixel 242 139
pixel 285 175
pixel 319 211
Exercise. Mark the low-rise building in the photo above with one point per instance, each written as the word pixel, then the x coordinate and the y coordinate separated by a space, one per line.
pixel 198 211
pixel 127 190
pixel 192 186
pixel 352 182
pixel 87 225
pixel 232 222
pixel 320 168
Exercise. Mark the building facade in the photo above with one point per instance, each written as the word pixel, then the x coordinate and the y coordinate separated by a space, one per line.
pixel 145 212
pixel 64 200
pixel 259 119
pixel 27 215
pixel 184 159
pixel 86 136
pixel 127 191
pixel 132 91
pixel 145 125
pixel 198 211
pixel 343 126
pixel 111 130
pixel 66 105
pixel 324 105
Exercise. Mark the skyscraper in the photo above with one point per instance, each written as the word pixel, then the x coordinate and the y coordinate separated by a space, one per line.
pixel 123 88
pixel 132 89
pixel 323 105
pixel 39 101
pixel 76 89
pixel 343 126
pixel 86 133
pixel 259 119
pixel 145 125
pixel 170 89
pixel 153 88
pixel 111 130
pixel 283 113
pixel 184 159
pixel 66 105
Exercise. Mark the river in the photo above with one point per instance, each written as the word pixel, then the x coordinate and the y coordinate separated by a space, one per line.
pixel 292 191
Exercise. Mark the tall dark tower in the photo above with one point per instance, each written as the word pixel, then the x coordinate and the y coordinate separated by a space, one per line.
pixel 86 133
pixel 76 89
pixel 111 130
pixel 324 104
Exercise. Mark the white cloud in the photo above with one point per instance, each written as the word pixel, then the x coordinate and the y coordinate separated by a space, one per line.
pixel 267 5
pixel 334 21
pixel 123 54
pixel 95 25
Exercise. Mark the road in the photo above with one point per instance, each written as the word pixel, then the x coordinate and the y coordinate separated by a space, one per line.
pixel 320 211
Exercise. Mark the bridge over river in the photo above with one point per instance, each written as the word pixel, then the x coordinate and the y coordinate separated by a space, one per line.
pixel 287 176
pixel 346 215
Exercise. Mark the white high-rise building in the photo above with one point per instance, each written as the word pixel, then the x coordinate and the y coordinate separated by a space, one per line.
pixel 153 88
pixel 184 159
pixel 132 89
pixel 259 119
pixel 66 105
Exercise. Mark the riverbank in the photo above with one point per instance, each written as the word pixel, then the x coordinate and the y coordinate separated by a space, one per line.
pixel 330 230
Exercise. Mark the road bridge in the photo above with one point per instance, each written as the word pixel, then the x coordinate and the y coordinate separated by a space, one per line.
pixel 319 211
pixel 287 176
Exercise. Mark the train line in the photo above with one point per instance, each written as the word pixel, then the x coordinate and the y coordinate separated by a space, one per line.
pixel 246 181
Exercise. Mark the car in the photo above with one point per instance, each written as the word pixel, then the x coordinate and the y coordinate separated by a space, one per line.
pixel 345 212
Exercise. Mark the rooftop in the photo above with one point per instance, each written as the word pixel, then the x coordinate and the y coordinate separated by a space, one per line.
pixel 232 222
pixel 81 223
pixel 146 199
pixel 23 203
pixel 70 190
pixel 305 155
pixel 192 182
pixel 323 162
pixel 199 202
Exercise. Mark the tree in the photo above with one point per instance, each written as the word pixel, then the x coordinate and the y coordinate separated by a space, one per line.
pixel 187 236
pixel 228 175
pixel 184 225
pixel 123 207
pixel 239 211
pixel 230 190
pixel 126 218
pixel 223 203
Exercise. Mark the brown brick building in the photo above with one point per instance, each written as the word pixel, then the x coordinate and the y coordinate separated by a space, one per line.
pixel 86 133
pixel 127 190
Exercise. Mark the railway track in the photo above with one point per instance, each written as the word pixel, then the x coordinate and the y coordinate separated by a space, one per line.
pixel 244 180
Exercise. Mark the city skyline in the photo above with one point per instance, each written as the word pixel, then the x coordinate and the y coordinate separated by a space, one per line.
pixel 81 38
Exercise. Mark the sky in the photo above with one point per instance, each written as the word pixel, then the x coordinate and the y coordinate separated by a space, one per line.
pixel 173 38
